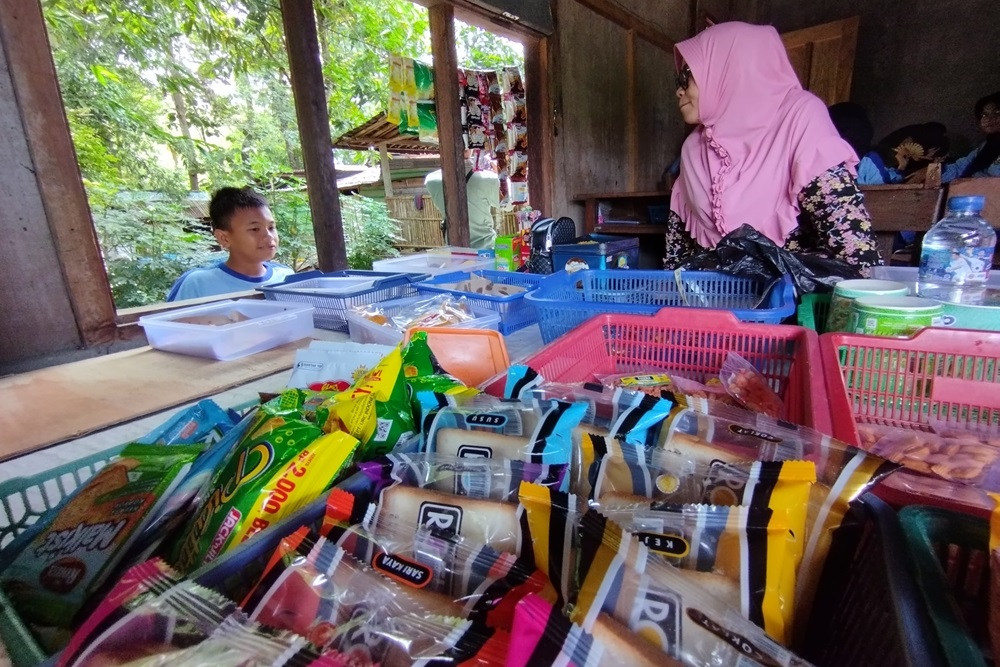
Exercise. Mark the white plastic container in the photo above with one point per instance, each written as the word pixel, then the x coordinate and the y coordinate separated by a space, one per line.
pixel 365 331
pixel 441 260
pixel 229 329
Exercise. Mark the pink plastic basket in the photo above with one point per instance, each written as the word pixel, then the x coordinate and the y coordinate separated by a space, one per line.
pixel 693 343
pixel 951 375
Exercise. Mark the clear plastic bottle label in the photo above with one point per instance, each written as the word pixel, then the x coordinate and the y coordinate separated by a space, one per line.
pixel 958 266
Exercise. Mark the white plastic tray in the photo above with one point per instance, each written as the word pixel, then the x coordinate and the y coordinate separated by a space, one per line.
pixel 268 324
pixel 435 263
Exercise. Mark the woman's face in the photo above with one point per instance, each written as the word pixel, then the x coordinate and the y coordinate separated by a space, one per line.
pixel 989 119
pixel 687 96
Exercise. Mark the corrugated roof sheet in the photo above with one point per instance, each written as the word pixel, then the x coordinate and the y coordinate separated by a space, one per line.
pixel 369 135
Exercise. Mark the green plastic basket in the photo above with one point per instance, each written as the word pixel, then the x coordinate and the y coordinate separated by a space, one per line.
pixel 812 312
pixel 951 554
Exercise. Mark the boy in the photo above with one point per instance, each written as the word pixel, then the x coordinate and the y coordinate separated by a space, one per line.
pixel 243 225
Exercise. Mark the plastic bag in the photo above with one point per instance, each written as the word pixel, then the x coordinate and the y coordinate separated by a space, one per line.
pixel 749 387
pixel 748 253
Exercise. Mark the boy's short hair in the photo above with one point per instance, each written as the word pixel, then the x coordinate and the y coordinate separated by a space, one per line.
pixel 226 201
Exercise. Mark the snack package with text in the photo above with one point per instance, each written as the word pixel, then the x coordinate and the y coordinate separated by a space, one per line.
pixel 204 422
pixel 376 410
pixel 748 548
pixel 334 366
pixel 484 581
pixel 695 622
pixel 750 387
pixel 60 564
pixel 281 465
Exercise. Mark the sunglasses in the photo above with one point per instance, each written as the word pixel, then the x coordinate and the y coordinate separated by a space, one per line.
pixel 683 79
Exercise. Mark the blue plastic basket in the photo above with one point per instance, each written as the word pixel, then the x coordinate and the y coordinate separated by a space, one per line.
pixel 515 313
pixel 564 300
pixel 332 301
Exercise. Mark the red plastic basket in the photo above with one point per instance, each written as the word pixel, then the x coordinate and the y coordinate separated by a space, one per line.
pixel 693 343
pixel 951 375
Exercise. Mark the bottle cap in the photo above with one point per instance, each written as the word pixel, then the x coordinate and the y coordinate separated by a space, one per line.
pixel 969 203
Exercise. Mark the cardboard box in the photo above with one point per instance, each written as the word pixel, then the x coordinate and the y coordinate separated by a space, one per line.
pixel 508 253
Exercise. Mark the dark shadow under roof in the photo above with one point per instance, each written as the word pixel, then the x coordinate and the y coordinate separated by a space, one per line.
pixel 379 130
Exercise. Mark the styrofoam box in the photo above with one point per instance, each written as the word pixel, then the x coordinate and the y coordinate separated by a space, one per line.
pixel 268 324
pixel 434 263
pixel 364 330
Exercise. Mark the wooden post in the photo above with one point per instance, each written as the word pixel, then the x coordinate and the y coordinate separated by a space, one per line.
pixel 383 154
pixel 541 123
pixel 449 122
pixel 36 91
pixel 314 132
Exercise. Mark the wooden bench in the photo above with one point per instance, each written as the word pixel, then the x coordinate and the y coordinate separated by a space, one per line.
pixel 904 207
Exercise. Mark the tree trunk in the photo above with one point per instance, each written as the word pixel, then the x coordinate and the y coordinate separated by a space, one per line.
pixel 189 155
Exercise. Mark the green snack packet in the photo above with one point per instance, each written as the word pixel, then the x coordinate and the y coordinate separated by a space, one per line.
pixel 282 464
pixel 60 566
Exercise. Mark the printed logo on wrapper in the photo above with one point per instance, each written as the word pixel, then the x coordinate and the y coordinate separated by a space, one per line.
pixel 486 419
pixel 658 620
pixel 753 433
pixel 474 452
pixel 403 570
pixel 669 545
pixel 63 575
pixel 724 484
pixel 440 518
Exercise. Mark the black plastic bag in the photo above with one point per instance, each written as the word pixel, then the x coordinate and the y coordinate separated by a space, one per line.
pixel 747 253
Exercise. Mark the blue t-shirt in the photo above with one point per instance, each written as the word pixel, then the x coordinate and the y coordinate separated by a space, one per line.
pixel 220 279
pixel 957 168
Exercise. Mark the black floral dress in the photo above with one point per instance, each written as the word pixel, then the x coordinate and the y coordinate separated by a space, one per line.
pixel 832 219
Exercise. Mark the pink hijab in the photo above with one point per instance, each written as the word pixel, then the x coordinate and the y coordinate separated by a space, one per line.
pixel 762 137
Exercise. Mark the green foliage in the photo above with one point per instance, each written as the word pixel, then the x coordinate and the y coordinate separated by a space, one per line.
pixel 478 49
pixel 368 231
pixel 147 246
pixel 173 95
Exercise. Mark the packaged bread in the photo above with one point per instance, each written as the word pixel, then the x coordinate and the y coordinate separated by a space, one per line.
pixel 690 620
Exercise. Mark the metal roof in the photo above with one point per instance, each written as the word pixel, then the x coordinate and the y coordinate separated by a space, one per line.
pixel 379 130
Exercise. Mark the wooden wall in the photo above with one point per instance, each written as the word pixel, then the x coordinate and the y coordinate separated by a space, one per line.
pixel 616 124
pixel 35 312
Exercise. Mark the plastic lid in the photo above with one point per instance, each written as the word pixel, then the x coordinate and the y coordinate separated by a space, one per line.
pixel 968 203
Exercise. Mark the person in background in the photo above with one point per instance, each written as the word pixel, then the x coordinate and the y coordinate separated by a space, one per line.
pixel 854 127
pixel 243 225
pixel 903 154
pixel 985 159
pixel 482 189
pixel 764 153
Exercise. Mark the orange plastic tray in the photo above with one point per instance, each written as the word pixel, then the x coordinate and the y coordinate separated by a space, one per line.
pixel 471 355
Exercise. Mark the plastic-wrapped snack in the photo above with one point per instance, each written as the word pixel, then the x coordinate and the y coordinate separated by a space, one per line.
pixel 334 366
pixel 204 422
pixel 279 466
pixel 441 310
pixel 952 454
pixel 696 622
pixel 70 552
pixel 376 410
pixel 431 388
pixel 490 522
pixel 694 394
pixel 489 429
pixel 137 584
pixel 486 582
pixel 492 479
pixel 843 472
pixel 544 637
pixel 747 546
pixel 314 588
pixel 182 616
pixel 652 381
pixel 632 414
pixel 551 521
pixel 747 384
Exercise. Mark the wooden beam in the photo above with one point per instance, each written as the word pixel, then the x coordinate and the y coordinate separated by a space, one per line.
pixel 383 154
pixel 613 12
pixel 449 122
pixel 309 92
pixel 541 128
pixel 32 71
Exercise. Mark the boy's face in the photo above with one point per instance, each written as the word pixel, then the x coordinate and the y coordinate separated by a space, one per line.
pixel 251 236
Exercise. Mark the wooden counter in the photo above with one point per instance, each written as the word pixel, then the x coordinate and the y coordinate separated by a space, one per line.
pixel 60 403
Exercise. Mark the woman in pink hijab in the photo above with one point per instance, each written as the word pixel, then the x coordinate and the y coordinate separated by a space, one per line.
pixel 764 153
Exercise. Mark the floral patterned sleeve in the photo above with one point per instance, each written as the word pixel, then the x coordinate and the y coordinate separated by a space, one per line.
pixel 679 245
pixel 833 218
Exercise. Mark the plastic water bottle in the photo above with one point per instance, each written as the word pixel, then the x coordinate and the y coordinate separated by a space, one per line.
pixel 957 253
